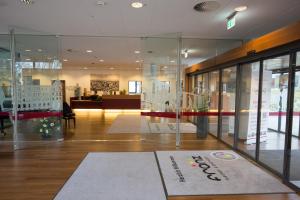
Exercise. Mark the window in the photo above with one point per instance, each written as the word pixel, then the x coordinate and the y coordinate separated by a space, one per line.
pixel 134 87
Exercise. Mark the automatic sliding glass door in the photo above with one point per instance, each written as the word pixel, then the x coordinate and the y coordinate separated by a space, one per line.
pixel 294 171
pixel 228 105
pixel 273 112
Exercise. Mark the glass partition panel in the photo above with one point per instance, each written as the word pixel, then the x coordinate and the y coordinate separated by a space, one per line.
pixel 39 92
pixel 228 104
pixel 248 107
pixel 273 111
pixel 295 148
pixel 6 123
pixel 160 86
pixel 298 59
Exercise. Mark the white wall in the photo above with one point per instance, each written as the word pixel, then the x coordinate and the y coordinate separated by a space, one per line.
pixel 83 77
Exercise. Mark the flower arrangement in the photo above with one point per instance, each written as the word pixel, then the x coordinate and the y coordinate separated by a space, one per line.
pixel 48 126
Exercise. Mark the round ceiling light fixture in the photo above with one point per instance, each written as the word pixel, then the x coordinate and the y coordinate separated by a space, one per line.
pixel 101 60
pixel 27 2
pixel 137 52
pixel 207 6
pixel 65 60
pixel 137 4
pixel 89 51
pixel 241 8
pixel 101 3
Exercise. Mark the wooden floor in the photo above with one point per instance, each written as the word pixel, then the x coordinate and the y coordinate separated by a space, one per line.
pixel 40 170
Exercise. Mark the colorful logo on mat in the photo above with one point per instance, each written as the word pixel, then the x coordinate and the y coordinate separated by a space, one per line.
pixel 192 162
pixel 223 155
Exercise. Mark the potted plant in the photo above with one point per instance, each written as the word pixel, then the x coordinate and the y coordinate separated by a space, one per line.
pixel 48 126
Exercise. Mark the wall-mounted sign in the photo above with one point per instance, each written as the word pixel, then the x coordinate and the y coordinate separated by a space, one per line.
pixel 230 22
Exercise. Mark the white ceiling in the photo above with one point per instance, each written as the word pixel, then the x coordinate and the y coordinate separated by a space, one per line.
pixel 74 18
pixel 158 17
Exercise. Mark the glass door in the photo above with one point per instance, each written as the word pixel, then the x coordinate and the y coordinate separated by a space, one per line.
pixel 294 171
pixel 273 112
pixel 228 105
pixel 38 90
pixel 248 106
pixel 161 88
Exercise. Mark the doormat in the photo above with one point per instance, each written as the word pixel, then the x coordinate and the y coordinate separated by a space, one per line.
pixel 115 176
pixel 140 124
pixel 129 124
pixel 213 173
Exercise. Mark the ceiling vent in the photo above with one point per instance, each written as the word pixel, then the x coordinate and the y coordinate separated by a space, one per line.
pixel 207 6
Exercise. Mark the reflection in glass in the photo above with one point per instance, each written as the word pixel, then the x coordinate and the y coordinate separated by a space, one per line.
pixel 228 104
pixel 273 112
pixel 248 108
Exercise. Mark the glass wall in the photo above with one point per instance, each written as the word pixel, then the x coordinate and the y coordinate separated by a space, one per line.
pixel 273 103
pixel 273 112
pixel 249 84
pixel 6 124
pixel 160 85
pixel 39 92
pixel 228 105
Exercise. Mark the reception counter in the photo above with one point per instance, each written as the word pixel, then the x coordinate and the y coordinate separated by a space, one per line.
pixel 108 102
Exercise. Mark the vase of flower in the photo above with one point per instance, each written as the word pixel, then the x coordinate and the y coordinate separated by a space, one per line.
pixel 47 127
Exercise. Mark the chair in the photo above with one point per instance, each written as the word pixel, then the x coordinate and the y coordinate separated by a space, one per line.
pixel 5 105
pixel 68 114
pixel 5 102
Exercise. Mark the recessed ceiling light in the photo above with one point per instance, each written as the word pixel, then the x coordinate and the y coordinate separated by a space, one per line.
pixel 27 50
pixel 39 50
pixel 241 8
pixel 101 3
pixel 27 2
pixel 137 4
pixel 165 67
pixel 101 60
pixel 85 68
pixel 111 68
pixel 137 52
pixel 89 51
pixel 65 60
pixel 172 61
pixel 137 61
pixel 28 59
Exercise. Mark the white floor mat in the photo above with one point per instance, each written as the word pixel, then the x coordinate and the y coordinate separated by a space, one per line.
pixel 115 176
pixel 214 172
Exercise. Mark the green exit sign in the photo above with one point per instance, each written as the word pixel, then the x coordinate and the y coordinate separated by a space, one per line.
pixel 230 22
